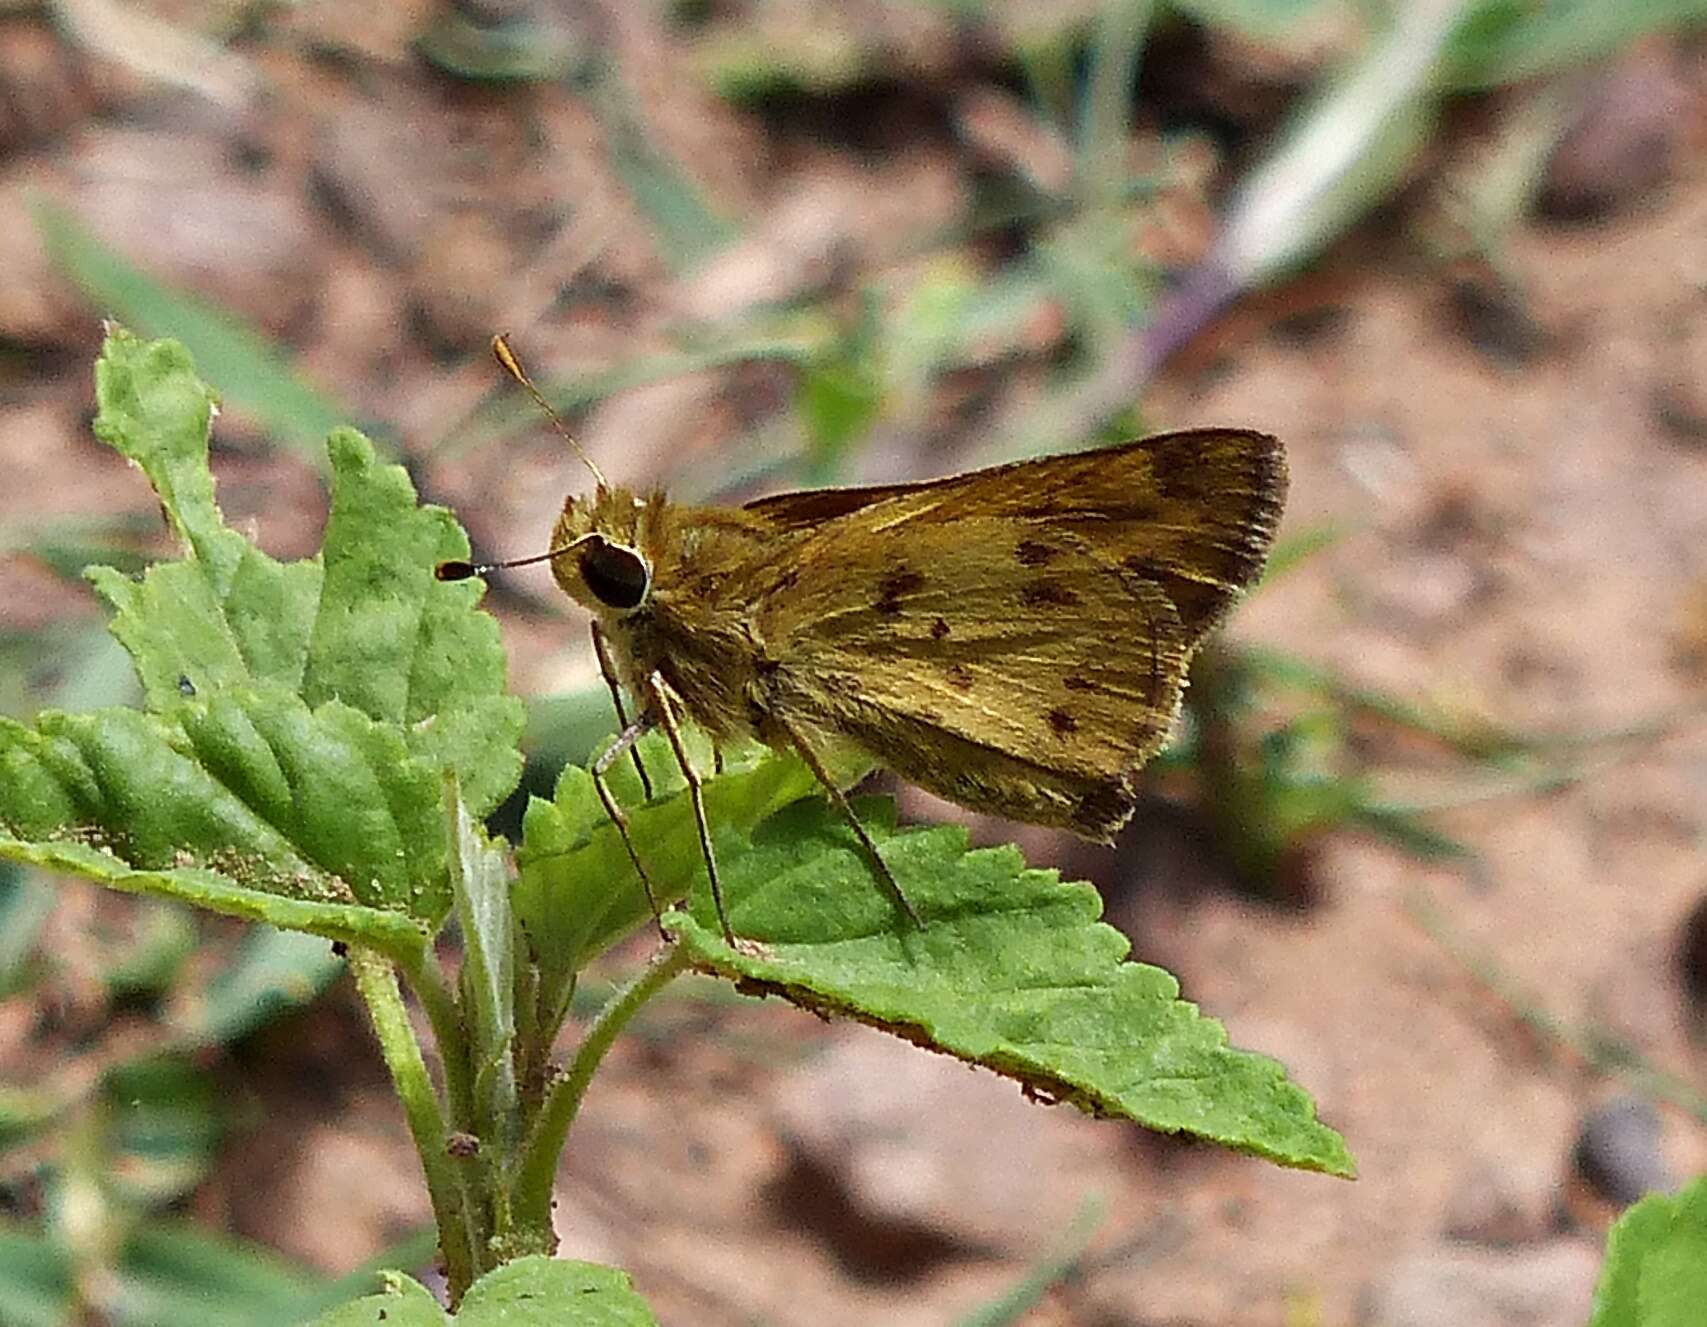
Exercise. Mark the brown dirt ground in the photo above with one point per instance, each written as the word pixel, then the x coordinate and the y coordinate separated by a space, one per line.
pixel 1523 541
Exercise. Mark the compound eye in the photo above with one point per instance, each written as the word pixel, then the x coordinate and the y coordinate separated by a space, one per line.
pixel 617 575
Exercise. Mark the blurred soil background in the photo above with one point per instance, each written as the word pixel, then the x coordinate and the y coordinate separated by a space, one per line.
pixel 1433 831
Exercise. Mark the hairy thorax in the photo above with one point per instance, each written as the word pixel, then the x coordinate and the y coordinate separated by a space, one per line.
pixel 694 625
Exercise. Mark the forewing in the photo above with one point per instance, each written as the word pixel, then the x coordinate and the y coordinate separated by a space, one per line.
pixel 1016 639
pixel 1192 512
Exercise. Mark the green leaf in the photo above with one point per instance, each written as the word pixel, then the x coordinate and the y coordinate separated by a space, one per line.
pixel 578 893
pixel 418 1248
pixel 547 1292
pixel 481 884
pixel 404 1302
pixel 253 369
pixel 529 1292
pixel 270 828
pixel 1656 1263
pixel 1013 972
pixel 839 398
pixel 302 713
pixel 367 623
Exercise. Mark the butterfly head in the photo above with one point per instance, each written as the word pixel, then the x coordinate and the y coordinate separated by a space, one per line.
pixel 598 556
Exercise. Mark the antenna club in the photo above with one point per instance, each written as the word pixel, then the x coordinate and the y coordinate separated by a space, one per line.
pixel 511 365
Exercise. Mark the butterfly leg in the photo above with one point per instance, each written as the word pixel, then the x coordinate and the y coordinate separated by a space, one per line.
pixel 885 876
pixel 623 744
pixel 607 666
pixel 659 703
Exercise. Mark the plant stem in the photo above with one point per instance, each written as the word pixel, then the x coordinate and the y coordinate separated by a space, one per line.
pixel 377 981
pixel 427 981
pixel 538 1168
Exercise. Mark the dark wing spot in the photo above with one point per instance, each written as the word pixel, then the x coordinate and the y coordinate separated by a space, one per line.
pixel 1192 466
pixel 1033 554
pixel 895 587
pixel 959 676
pixel 939 629
pixel 1063 722
pixel 1073 682
pixel 1047 594
pixel 1200 602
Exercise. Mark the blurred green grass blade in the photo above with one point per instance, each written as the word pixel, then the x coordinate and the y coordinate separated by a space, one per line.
pixel 1293 551
pixel 1506 41
pixel 1474 738
pixel 35 1281
pixel 1411 833
pixel 23 1111
pixel 67 544
pixel 1117 40
pixel 508 47
pixel 1259 20
pixel 171 1272
pixel 684 228
pixel 164 1121
pixel 563 729
pixel 1346 151
pixel 254 374
pixel 163 936
pixel 25 901
pixel 269 972
pixel 416 1249
pixel 1014 1304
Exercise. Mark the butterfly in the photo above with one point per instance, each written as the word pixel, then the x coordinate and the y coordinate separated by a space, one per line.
pixel 1013 639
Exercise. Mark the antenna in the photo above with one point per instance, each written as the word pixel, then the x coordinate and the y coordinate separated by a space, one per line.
pixel 512 366
pixel 458 570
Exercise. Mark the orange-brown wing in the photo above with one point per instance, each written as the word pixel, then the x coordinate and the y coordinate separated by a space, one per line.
pixel 1016 639
pixel 1193 511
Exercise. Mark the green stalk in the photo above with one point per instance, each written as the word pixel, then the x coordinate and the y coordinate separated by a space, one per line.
pixel 376 980
pixel 538 1168
pixel 427 981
